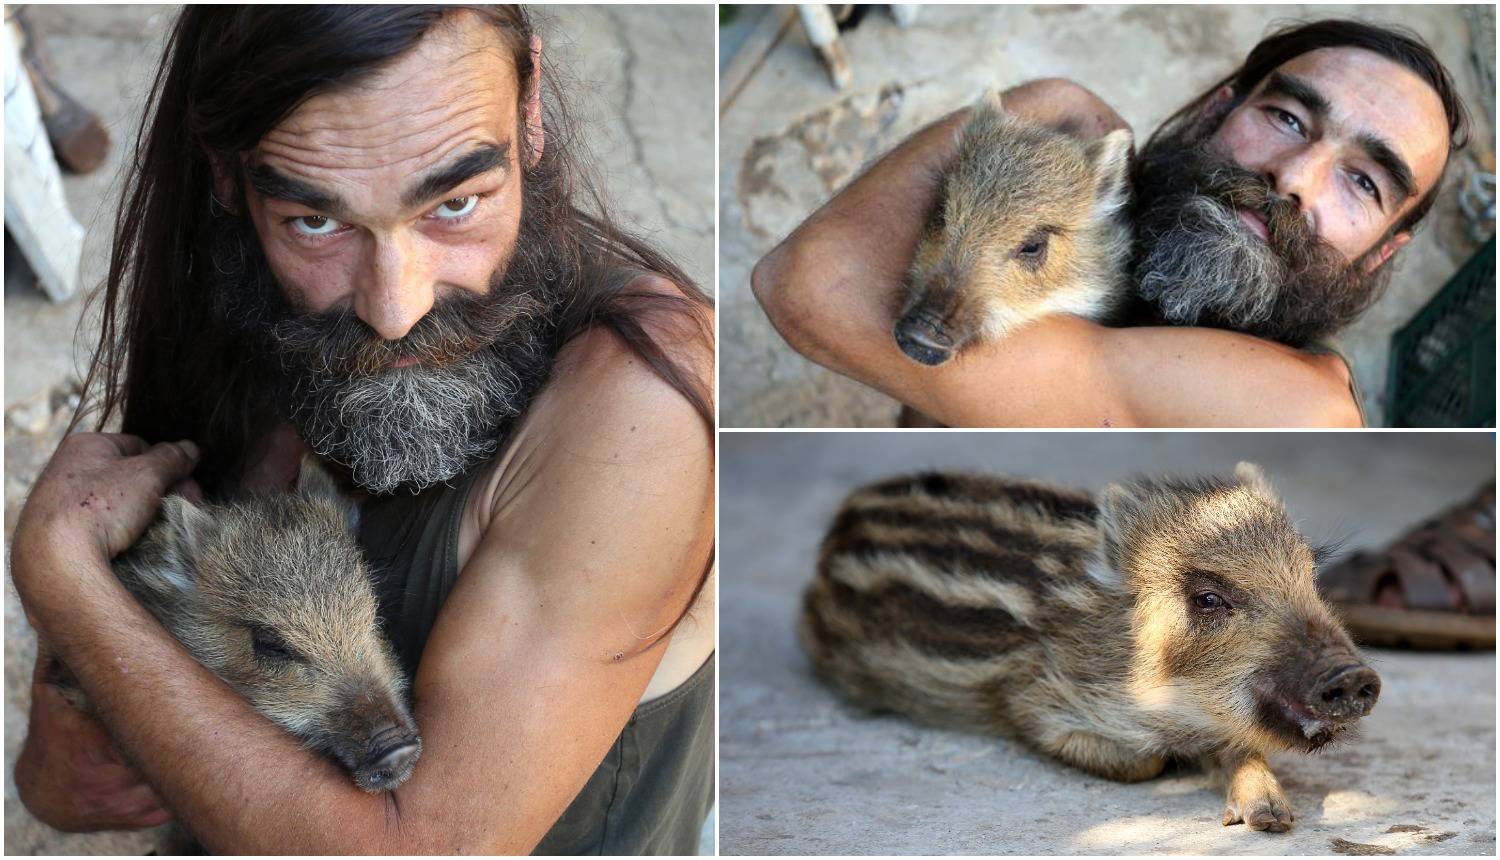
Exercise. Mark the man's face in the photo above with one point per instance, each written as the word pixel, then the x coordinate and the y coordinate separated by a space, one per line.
pixel 386 264
pixel 1354 139
pixel 1274 216
pixel 388 195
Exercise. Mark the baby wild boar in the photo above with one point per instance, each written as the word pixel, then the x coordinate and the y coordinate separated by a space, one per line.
pixel 271 593
pixel 1029 221
pixel 1161 620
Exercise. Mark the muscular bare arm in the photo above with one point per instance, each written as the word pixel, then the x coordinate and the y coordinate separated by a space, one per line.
pixel 601 530
pixel 827 288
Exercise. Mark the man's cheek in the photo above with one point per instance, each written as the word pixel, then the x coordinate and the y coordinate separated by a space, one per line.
pixel 313 285
pixel 471 265
pixel 1239 141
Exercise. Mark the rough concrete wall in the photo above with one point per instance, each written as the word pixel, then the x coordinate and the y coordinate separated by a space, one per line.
pixel 641 85
pixel 789 141
pixel 804 772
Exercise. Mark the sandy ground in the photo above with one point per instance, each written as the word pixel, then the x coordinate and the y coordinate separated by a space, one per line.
pixel 641 80
pixel 802 772
pixel 789 141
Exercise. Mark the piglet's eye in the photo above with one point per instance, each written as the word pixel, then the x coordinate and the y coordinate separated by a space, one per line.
pixel 271 647
pixel 1032 247
pixel 1208 601
pixel 1032 252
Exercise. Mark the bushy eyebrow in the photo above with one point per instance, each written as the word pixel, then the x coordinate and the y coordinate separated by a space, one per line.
pixel 441 180
pixel 1376 147
pixel 1382 153
pixel 1293 87
pixel 270 182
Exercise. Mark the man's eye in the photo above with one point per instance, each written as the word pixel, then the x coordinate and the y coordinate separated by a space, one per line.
pixel 315 225
pixel 1288 120
pixel 1368 186
pixel 458 207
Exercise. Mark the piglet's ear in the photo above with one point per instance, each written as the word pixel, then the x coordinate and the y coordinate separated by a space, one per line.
pixel 174 546
pixel 314 481
pixel 1255 480
pixel 1119 509
pixel 1111 157
pixel 187 526
pixel 990 102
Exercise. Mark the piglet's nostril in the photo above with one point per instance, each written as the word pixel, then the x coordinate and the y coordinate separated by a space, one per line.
pixel 924 338
pixel 1350 693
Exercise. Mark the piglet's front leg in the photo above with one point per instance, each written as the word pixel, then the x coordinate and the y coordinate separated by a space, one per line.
pixel 1254 796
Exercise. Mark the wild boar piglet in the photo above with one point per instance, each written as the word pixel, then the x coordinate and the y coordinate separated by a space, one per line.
pixel 272 594
pixel 1029 221
pixel 1161 619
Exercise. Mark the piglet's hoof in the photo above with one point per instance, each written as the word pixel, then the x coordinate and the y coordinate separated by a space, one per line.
pixel 1271 814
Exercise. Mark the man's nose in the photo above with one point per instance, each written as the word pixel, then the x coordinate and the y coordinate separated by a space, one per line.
pixel 1301 175
pixel 395 290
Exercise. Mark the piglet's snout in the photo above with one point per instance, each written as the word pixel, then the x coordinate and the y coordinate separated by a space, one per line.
pixel 1347 693
pixel 392 753
pixel 923 337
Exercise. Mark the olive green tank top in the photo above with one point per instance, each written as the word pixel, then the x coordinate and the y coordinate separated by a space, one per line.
pixel 1328 347
pixel 653 790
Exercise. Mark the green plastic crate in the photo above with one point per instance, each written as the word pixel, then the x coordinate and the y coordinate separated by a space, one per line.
pixel 1442 371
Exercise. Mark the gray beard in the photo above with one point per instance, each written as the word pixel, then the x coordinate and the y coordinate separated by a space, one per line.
pixel 412 426
pixel 1198 264
pixel 481 360
pixel 1212 265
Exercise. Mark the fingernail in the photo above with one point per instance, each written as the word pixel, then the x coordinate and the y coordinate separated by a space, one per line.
pixel 189 449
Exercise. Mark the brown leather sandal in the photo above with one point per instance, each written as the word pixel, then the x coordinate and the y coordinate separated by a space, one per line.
pixel 1433 589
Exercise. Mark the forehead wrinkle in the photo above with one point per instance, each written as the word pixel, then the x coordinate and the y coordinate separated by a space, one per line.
pixel 449 84
pixel 368 140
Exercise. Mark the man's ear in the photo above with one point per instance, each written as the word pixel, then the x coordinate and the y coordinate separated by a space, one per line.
pixel 1211 114
pixel 1376 257
pixel 536 135
pixel 223 186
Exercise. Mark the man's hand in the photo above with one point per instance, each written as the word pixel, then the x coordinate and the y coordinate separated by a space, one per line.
pixel 96 497
pixel 70 774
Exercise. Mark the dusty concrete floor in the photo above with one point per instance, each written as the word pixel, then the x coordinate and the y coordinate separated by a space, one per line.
pixel 801 772
pixel 642 89
pixel 789 141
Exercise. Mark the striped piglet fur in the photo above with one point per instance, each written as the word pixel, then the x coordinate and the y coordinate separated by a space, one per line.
pixel 1069 622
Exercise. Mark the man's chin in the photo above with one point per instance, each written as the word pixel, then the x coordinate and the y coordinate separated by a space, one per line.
pixel 409 428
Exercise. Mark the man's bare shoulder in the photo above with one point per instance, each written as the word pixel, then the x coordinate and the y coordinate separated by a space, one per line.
pixel 599 367
pixel 606 411
pixel 604 491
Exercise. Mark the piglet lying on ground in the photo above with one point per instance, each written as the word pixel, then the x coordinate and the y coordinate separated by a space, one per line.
pixel 1160 620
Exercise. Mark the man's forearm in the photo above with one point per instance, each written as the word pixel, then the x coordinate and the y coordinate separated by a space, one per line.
pixel 237 781
pixel 829 286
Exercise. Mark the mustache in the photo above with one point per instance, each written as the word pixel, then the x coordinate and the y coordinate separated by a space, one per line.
pixel 1219 178
pixel 1197 263
pixel 337 343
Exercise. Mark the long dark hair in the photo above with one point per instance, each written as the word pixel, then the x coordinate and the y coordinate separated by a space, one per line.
pixel 170 368
pixel 1293 40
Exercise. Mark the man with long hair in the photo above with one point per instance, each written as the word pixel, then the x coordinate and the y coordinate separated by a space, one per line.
pixel 360 231
pixel 1265 211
